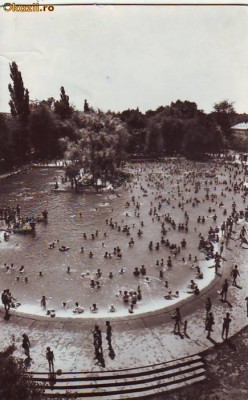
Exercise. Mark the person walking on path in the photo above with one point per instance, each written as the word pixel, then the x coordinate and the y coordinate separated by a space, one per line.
pixel 26 344
pixel 209 324
pixel 235 273
pixel 217 264
pixel 246 299
pixel 50 359
pixel 178 320
pixel 224 290
pixel 208 306
pixel 222 242
pixel 108 333
pixel 97 335
pixel 6 300
pixel 97 341
pixel 225 326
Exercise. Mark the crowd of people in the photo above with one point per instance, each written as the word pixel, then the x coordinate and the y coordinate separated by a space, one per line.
pixel 196 214
pixel 170 196
pixel 14 220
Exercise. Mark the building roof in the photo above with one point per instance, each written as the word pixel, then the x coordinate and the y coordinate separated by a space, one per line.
pixel 241 126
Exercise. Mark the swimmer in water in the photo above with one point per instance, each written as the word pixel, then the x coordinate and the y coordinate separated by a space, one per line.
pixel 94 308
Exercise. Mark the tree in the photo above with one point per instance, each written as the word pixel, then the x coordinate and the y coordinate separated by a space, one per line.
pixel 20 110
pixel 225 116
pixel 224 107
pixel 44 132
pixel 136 125
pixel 62 107
pixel 19 103
pixel 133 118
pixel 239 143
pixel 86 106
pixel 100 148
pixel 154 140
pixel 75 155
pixel 183 109
pixel 73 172
pixel 15 382
pixel 49 102
pixel 5 140
pixel 173 132
pixel 201 137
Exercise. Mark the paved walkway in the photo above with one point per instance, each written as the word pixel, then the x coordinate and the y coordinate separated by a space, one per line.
pixel 137 340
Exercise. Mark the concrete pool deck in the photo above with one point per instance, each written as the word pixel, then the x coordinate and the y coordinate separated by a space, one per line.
pixel 137 340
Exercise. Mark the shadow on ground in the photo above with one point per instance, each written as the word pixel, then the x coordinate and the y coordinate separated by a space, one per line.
pixel 226 370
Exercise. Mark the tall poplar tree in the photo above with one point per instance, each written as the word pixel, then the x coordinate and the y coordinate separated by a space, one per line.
pixel 19 103
pixel 62 107
pixel 19 107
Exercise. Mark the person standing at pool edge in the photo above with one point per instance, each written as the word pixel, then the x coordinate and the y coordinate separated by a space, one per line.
pixel 50 359
pixel 108 333
pixel 177 318
pixel 26 344
pixel 224 290
pixel 225 326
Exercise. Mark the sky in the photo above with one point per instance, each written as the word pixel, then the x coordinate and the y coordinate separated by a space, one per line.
pixel 128 57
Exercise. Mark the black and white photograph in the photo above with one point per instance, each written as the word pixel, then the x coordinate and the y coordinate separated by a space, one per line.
pixel 123 200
